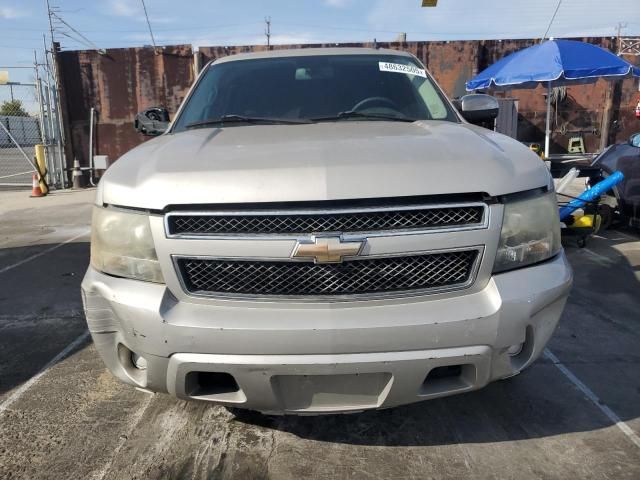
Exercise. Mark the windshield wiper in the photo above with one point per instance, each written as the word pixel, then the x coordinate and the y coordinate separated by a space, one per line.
pixel 357 114
pixel 244 119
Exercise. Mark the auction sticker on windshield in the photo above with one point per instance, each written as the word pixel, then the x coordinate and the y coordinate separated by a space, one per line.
pixel 400 68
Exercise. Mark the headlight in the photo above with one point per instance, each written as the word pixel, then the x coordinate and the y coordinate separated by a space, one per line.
pixel 530 232
pixel 122 245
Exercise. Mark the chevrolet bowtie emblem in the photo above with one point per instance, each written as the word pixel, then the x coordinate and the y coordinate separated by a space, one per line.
pixel 327 249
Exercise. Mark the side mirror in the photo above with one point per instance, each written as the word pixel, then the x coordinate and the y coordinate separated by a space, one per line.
pixel 478 108
pixel 152 121
pixel 634 140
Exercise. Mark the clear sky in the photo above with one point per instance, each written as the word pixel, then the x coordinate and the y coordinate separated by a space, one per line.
pixel 121 23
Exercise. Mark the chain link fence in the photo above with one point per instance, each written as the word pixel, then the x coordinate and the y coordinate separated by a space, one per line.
pixel 29 116
pixel 20 132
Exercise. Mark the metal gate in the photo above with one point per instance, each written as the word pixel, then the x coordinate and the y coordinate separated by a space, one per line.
pixel 29 117
pixel 19 133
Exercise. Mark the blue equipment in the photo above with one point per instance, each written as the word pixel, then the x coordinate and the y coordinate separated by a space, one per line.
pixel 554 62
pixel 592 194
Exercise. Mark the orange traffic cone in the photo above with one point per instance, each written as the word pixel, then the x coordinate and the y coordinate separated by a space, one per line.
pixel 36 191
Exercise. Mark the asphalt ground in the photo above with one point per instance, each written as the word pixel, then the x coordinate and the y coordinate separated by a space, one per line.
pixel 574 414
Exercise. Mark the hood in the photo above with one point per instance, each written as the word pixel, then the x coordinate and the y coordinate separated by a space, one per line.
pixel 321 161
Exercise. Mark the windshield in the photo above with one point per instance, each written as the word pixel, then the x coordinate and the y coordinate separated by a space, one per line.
pixel 314 88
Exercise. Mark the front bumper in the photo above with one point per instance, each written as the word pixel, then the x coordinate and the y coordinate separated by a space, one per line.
pixel 325 357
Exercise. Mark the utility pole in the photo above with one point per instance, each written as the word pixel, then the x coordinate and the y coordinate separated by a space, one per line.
pixel 57 99
pixel 619 36
pixel 50 21
pixel 267 31
pixel 43 123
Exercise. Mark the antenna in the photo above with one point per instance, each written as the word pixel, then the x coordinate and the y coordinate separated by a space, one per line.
pixel 267 31
pixel 50 21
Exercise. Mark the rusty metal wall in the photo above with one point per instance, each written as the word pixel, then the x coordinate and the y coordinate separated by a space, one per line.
pixel 126 81
pixel 119 85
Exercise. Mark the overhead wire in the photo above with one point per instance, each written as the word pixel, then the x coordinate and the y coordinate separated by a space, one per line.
pixel 187 32
pixel 61 20
pixel 142 30
pixel 553 17
pixel 82 42
pixel 146 15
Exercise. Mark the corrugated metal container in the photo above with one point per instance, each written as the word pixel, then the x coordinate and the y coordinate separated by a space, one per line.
pixel 126 81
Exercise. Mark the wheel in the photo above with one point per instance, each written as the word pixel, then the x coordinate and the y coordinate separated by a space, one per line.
pixel 582 242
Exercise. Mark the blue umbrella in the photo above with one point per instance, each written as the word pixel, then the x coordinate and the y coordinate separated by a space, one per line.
pixel 554 63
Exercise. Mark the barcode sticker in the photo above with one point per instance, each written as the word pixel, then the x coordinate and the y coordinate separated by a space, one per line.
pixel 400 68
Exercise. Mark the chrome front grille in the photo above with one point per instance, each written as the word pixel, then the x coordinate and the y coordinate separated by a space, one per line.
pixel 358 276
pixel 413 217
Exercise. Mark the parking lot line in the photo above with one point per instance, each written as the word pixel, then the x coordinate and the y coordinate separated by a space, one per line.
pixel 622 234
pixel 44 252
pixel 100 474
pixel 611 415
pixel 28 384
pixel 603 260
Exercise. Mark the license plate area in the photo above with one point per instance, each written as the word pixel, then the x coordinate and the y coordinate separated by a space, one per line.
pixel 331 392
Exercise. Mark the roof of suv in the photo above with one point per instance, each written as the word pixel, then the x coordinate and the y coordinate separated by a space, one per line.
pixel 305 52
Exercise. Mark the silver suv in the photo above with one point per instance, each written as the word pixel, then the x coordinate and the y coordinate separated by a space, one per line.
pixel 322 231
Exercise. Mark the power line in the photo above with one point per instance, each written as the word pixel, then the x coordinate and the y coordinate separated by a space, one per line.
pixel 146 15
pixel 552 19
pixel 86 40
pixel 185 28
pixel 81 42
pixel 13 47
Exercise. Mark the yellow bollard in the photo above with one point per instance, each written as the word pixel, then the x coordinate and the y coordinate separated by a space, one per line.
pixel 42 168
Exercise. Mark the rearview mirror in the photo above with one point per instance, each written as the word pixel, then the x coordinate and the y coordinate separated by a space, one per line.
pixel 152 121
pixel 634 140
pixel 478 108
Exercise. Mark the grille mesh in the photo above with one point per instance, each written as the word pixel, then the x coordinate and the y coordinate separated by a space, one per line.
pixel 376 275
pixel 366 221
